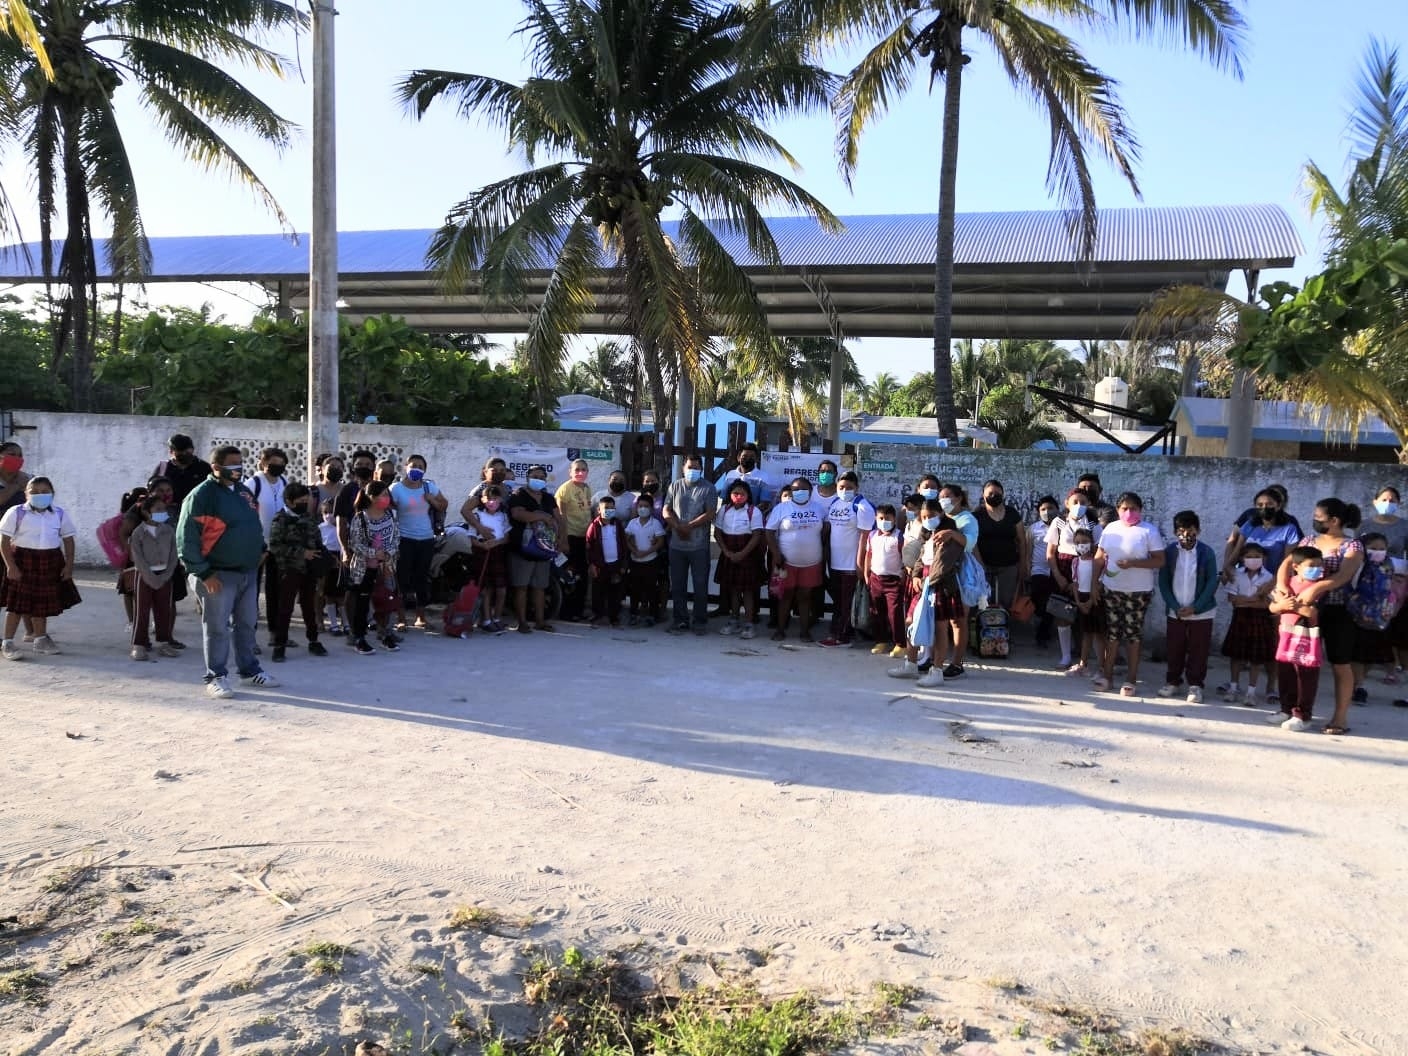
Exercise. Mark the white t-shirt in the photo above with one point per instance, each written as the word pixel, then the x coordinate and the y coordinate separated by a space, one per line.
pixel 1246 585
pixel 798 530
pixel 886 557
pixel 1062 532
pixel 1084 570
pixel 268 497
pixel 495 524
pixel 848 520
pixel 609 551
pixel 642 535
pixel 1121 541
pixel 1037 534
pixel 329 536
pixel 1185 583
pixel 37 529
pixel 739 520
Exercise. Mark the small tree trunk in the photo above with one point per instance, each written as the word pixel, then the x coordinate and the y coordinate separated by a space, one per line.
pixel 943 258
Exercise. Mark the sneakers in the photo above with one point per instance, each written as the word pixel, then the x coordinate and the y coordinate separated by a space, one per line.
pixel 260 680
pixel 731 627
pixel 362 647
pixel 1251 700
pixel 168 649
pixel 953 671
pixel 317 649
pixel 338 631
pixel 219 688
pixel 831 643
pixel 906 670
pixel 391 644
pixel 880 649
pixel 898 653
pixel 280 654
pixel 138 653
pixel 1359 696
pixel 178 646
pixel 1195 695
pixel 747 631
pixel 1229 693
pixel 935 677
pixel 1295 724
pixel 1276 718
pixel 9 650
pixel 45 646
pixel 1170 689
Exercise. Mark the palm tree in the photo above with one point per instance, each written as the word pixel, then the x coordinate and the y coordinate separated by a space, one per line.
pixel 1041 61
pixel 796 372
pixel 641 106
pixel 177 57
pixel 1017 421
pixel 879 392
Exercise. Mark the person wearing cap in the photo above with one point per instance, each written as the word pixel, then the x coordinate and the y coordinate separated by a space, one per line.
pixel 182 467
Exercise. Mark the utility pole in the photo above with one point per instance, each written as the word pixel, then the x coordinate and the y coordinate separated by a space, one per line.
pixel 322 413
pixel 1241 408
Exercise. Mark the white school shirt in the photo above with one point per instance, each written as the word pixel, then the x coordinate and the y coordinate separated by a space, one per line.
pixel 1246 585
pixel 1185 583
pixel 739 520
pixel 495 524
pixel 642 535
pixel 1037 534
pixel 848 520
pixel 1063 533
pixel 798 530
pixel 330 540
pixel 610 553
pixel 268 497
pixel 1136 542
pixel 886 557
pixel 37 529
pixel 1084 569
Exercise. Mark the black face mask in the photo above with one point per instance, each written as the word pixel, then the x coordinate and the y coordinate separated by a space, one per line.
pixel 649 489
pixel 994 500
pixel 362 473
pixel 334 475
pixel 277 470
pixel 747 463
pixel 184 458
pixel 616 487
pixel 1267 515
pixel 1319 527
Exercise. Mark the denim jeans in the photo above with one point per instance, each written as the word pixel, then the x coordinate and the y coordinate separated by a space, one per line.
pixel 693 563
pixel 235 608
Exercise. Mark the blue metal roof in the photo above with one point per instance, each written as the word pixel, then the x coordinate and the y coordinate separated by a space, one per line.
pixel 1204 416
pixel 1204 236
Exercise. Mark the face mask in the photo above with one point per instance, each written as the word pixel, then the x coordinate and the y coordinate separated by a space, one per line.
pixel 931 523
pixel 1252 564
pixel 231 473
pixel 362 473
pixel 739 500
pixel 579 475
pixel 801 497
pixel 1377 557
pixel 650 488
pixel 746 464
pixel 329 519
pixel 389 477
pixel 1187 542
pixel 948 505
pixel 42 501
pixel 644 513
pixel 608 515
pixel 1268 514
pixel 929 493
pixel 826 479
pixel 11 463
pixel 415 476
pixel 277 469
pixel 885 526
pixel 693 476
pixel 492 505
pixel 382 502
pixel 334 475
pixel 1131 517
pixel 1312 572
pixel 911 515
pixel 1077 511
pixel 994 500
pixel 537 483
pixel 1320 527
pixel 1385 508
pixel 846 495
pixel 1047 516
pixel 1083 549
pixel 616 487
pixel 184 458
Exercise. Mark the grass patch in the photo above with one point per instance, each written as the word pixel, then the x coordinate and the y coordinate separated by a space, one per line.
pixel 63 881
pixel 427 968
pixel 142 927
pixel 487 919
pixel 1096 1033
pixel 895 995
pixel 24 984
pixel 324 958
pixel 1007 985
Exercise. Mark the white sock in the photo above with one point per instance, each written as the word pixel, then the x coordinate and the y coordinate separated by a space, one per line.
pixel 1063 635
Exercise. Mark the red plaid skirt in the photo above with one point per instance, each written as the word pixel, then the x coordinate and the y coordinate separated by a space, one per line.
pixel 496 574
pixel 738 575
pixel 40 591
pixel 1251 636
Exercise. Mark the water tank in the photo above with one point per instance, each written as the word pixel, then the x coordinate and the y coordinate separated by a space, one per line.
pixel 1113 391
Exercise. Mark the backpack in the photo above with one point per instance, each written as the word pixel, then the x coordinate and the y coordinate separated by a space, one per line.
pixel 110 539
pixel 992 640
pixel 973 583
pixel 1371 606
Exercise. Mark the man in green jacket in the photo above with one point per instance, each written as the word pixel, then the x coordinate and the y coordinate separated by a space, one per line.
pixel 220 540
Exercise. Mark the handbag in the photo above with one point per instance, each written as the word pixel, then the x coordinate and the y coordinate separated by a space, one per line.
pixel 1062 608
pixel 386 597
pixel 860 608
pixel 1300 645
pixel 1023 608
pixel 539 541
pixel 777 583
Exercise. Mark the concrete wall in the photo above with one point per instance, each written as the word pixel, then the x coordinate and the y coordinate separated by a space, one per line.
pixel 94 458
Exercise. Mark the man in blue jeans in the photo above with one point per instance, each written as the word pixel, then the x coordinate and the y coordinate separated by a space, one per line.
pixel 690 505
pixel 220 540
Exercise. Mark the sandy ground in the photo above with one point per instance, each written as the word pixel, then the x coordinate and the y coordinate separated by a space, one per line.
pixel 1174 864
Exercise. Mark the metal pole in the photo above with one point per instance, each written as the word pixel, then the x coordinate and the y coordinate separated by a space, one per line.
pixel 685 417
pixel 1241 408
pixel 322 412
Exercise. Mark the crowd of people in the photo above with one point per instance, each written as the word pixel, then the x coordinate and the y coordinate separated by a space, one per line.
pixel 352 554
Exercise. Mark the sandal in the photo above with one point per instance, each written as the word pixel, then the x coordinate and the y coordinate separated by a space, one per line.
pixel 1335 731
pixel 1100 682
pixel 1076 670
pixel 1128 690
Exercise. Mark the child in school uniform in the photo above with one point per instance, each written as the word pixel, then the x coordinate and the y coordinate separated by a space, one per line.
pixel 152 546
pixel 36 542
pixel 296 548
pixel 882 566
pixel 645 538
pixel 1086 569
pixel 1250 642
pixel 330 595
pixel 606 562
pixel 491 553
pixel 738 529
pixel 1299 681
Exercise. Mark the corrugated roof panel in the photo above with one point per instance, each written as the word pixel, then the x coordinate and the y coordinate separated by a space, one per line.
pixel 1202 235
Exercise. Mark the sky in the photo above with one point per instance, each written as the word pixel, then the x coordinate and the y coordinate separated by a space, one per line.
pixel 1206 138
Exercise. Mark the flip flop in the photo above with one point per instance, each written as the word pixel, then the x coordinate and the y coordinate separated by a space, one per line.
pixel 1335 731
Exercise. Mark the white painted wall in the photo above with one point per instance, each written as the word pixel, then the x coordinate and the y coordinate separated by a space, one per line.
pixel 94 458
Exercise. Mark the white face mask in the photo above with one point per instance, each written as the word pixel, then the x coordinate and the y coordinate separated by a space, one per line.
pixel 845 494
pixel 1083 549
pixel 1252 564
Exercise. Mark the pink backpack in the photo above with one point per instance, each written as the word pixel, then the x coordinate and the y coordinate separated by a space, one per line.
pixel 110 539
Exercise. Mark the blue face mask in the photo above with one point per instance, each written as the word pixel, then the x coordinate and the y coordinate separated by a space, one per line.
pixel 161 518
pixel 801 498
pixel 537 483
pixel 693 476
pixel 415 475
pixel 1312 572
pixel 608 515
pixel 932 523
pixel 42 501
pixel 911 515
pixel 885 526
pixel 1385 508
pixel 929 493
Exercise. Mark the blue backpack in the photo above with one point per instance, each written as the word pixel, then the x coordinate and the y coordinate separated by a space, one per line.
pixel 1371 605
pixel 973 582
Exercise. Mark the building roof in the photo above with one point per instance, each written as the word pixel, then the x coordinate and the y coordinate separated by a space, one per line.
pixel 1016 273
pixel 1280 420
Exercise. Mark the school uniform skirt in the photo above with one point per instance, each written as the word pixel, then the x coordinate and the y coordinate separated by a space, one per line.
pixel 745 575
pixel 1251 636
pixel 40 591
pixel 1092 622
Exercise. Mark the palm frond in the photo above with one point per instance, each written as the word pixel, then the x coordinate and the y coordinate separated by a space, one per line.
pixel 868 91
pixel 111 181
pixel 566 299
pixel 471 94
pixel 1214 29
pixel 734 300
pixel 17 21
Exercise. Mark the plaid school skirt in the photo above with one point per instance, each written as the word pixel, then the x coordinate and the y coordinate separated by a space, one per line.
pixel 40 591
pixel 1251 637
pixel 742 575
